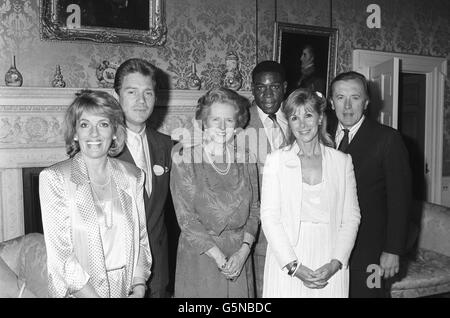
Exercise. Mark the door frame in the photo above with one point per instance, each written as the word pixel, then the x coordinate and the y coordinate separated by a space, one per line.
pixel 435 69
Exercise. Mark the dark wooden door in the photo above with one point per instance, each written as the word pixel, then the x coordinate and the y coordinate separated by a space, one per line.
pixel 411 124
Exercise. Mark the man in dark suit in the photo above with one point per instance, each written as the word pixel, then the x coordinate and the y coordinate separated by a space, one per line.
pixel 150 150
pixel 268 124
pixel 383 179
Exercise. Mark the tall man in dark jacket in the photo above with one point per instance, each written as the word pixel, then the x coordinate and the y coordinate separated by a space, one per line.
pixel 150 150
pixel 383 179
pixel 269 126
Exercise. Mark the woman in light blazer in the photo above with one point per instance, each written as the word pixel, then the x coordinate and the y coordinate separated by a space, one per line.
pixel 93 209
pixel 309 207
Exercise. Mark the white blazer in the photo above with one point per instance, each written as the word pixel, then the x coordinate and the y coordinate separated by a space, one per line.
pixel 72 235
pixel 282 196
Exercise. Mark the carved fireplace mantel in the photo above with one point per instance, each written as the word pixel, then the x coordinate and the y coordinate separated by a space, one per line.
pixel 31 135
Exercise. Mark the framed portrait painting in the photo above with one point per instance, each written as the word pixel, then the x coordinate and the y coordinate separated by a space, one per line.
pixel 104 21
pixel 308 54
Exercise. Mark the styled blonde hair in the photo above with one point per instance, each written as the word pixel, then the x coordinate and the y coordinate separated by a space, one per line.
pixel 101 103
pixel 302 97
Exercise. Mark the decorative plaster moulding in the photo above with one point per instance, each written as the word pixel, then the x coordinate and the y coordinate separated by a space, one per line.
pixel 31 121
pixel 31 135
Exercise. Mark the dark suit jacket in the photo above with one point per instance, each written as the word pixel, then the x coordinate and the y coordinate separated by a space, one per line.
pixel 160 147
pixel 260 150
pixel 383 179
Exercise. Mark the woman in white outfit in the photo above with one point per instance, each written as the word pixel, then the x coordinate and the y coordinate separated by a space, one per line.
pixel 309 207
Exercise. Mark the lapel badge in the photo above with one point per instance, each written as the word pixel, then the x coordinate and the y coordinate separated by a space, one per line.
pixel 159 170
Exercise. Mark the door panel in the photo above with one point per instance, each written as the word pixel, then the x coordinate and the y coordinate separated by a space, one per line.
pixel 383 86
pixel 435 70
pixel 411 124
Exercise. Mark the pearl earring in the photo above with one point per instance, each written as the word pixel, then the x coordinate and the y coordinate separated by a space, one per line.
pixel 75 138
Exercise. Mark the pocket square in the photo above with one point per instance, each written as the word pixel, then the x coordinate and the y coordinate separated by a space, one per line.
pixel 158 170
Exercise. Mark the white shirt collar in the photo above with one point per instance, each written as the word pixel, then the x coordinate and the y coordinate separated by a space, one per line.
pixel 134 140
pixel 140 133
pixel 352 131
pixel 132 136
pixel 280 115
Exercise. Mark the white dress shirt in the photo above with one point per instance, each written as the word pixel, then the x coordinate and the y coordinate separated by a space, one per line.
pixel 352 132
pixel 133 143
pixel 269 125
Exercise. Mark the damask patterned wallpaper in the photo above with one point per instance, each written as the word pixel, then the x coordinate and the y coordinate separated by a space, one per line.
pixel 407 26
pixel 202 31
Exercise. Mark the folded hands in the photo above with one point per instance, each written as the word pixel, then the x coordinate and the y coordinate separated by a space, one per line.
pixel 233 266
pixel 317 279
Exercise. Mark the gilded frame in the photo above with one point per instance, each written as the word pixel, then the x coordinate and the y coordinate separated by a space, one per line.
pixel 54 29
pixel 288 41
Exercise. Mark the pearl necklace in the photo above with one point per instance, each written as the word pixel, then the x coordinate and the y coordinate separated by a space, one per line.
pixel 108 213
pixel 101 185
pixel 217 169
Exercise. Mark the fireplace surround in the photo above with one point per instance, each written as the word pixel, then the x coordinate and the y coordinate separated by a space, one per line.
pixel 31 136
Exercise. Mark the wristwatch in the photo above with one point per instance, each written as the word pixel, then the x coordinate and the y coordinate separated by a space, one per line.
pixel 290 267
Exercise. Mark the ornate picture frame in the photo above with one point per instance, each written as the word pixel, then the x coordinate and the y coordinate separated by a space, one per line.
pixel 104 21
pixel 290 40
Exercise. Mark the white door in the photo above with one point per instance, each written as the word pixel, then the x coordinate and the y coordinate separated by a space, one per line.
pixel 383 86
pixel 435 70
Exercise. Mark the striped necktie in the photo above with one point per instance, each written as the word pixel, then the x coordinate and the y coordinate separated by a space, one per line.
pixel 344 142
pixel 278 138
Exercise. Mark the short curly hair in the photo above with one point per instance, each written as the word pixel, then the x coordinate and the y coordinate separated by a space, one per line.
pixel 227 96
pixel 269 67
pixel 97 102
